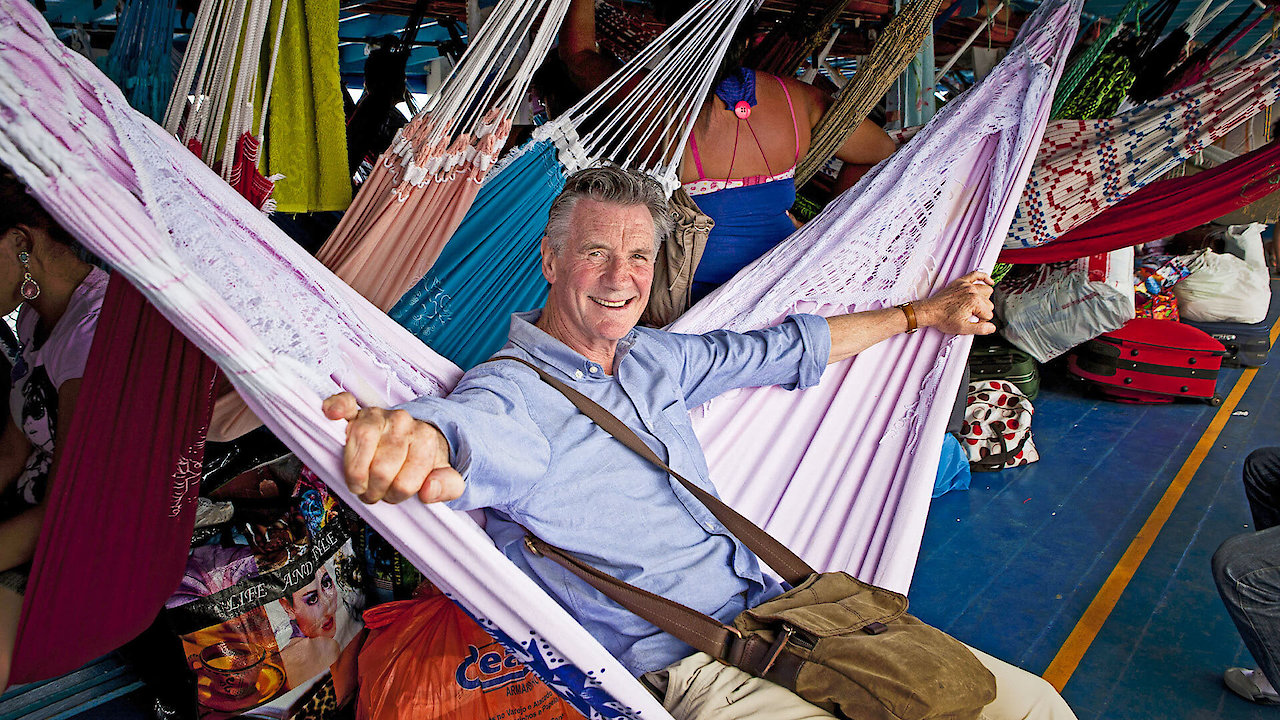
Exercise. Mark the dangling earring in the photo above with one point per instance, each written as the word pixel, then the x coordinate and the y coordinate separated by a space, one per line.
pixel 30 288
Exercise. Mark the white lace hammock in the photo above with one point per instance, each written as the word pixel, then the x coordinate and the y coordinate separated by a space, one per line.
pixel 422 186
pixel 287 332
pixel 1086 166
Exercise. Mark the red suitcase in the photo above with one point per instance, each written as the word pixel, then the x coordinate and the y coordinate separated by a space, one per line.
pixel 1151 361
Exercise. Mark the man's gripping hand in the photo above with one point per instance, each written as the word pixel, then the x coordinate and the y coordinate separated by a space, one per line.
pixel 391 456
pixel 963 307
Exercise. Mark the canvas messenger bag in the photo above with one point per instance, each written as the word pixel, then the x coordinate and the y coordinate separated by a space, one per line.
pixel 844 645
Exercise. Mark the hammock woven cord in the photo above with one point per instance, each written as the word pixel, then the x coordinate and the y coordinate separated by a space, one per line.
pixel 892 52
pixel 1080 68
pixel 1086 166
pixel 423 185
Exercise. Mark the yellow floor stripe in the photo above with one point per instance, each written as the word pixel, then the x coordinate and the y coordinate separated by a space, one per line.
pixel 1082 636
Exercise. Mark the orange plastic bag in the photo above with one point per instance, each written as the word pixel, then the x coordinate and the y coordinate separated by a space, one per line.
pixel 426 658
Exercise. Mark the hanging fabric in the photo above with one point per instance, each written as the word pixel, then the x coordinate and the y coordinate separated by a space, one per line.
pixel 1156 64
pixel 121 503
pixel 306 137
pixel 423 185
pixel 138 60
pixel 491 266
pixel 1194 68
pixel 1165 208
pixel 205 257
pixel 1081 67
pixel 1086 166
pixel 896 48
pixel 508 213
pixel 223 73
pixel 896 236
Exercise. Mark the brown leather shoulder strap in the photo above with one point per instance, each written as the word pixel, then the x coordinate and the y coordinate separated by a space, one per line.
pixel 769 550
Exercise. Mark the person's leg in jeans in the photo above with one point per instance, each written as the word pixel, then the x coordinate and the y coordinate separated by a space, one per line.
pixel 1246 571
pixel 1262 486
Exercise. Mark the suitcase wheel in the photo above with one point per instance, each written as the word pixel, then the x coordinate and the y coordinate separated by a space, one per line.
pixel 1214 401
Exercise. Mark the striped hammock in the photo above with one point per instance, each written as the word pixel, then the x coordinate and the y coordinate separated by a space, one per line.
pixel 1086 166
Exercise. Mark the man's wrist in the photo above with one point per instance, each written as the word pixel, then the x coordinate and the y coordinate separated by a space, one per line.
pixel 909 312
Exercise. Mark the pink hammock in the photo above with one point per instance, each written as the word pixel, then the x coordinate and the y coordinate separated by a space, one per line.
pixel 122 503
pixel 204 256
pixel 1086 166
pixel 1165 208
pixel 401 218
pixel 423 185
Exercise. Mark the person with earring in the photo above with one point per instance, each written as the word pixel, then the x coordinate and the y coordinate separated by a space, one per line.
pixel 57 296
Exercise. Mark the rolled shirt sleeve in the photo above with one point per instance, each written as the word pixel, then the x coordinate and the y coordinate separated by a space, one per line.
pixel 792 354
pixel 493 437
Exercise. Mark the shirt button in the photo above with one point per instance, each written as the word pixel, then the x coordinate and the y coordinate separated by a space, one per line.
pixel 594 369
pixel 578 374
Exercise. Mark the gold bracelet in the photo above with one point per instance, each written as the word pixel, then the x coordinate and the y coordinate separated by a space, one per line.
pixel 910 312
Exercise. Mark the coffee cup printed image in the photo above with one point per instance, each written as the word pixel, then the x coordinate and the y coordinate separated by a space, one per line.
pixel 233 667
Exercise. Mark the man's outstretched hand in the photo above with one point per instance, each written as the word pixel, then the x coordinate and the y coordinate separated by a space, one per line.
pixel 963 307
pixel 391 456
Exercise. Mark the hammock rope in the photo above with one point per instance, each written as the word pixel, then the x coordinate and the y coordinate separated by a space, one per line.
pixel 221 70
pixel 490 267
pixel 896 48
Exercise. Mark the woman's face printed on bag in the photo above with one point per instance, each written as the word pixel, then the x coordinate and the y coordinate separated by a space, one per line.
pixel 313 606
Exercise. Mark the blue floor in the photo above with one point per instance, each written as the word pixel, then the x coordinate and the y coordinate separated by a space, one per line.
pixel 1011 565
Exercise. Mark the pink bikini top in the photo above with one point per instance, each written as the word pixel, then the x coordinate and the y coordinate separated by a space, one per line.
pixel 704 185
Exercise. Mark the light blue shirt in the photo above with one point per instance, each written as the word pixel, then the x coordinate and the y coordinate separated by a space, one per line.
pixel 531 460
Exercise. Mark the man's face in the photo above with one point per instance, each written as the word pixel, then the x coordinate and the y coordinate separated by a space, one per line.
pixel 601 277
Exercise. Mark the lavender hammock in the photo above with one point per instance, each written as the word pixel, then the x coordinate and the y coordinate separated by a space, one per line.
pixel 203 255
pixel 884 242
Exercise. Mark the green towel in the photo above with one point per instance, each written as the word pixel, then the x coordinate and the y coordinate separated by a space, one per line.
pixel 306 127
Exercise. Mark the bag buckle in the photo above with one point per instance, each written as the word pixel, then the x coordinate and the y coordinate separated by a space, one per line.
pixel 528 545
pixel 778 644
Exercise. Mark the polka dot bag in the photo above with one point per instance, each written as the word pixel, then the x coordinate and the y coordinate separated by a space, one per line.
pixel 997 427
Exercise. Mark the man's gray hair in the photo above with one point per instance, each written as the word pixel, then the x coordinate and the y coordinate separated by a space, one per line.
pixel 610 185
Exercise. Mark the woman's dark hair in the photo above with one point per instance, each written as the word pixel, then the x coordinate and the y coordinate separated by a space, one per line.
pixel 744 39
pixel 668 11
pixel 18 207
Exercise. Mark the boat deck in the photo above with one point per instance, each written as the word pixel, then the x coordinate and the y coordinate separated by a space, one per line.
pixel 1091 567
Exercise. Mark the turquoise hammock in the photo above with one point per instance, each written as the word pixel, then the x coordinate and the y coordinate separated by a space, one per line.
pixel 492 262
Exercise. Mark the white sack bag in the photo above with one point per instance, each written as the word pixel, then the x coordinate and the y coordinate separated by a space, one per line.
pixel 1068 306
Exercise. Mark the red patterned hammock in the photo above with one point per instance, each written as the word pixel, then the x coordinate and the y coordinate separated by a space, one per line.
pixel 1165 208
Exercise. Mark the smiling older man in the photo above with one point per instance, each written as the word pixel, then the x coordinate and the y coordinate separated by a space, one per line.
pixel 509 443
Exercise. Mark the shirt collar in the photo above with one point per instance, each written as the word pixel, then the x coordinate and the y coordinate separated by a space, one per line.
pixel 525 335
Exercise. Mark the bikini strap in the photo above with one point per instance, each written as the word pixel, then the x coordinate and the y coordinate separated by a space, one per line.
pixel 697 161
pixel 795 126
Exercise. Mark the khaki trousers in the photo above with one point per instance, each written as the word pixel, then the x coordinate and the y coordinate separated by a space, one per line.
pixel 702 688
